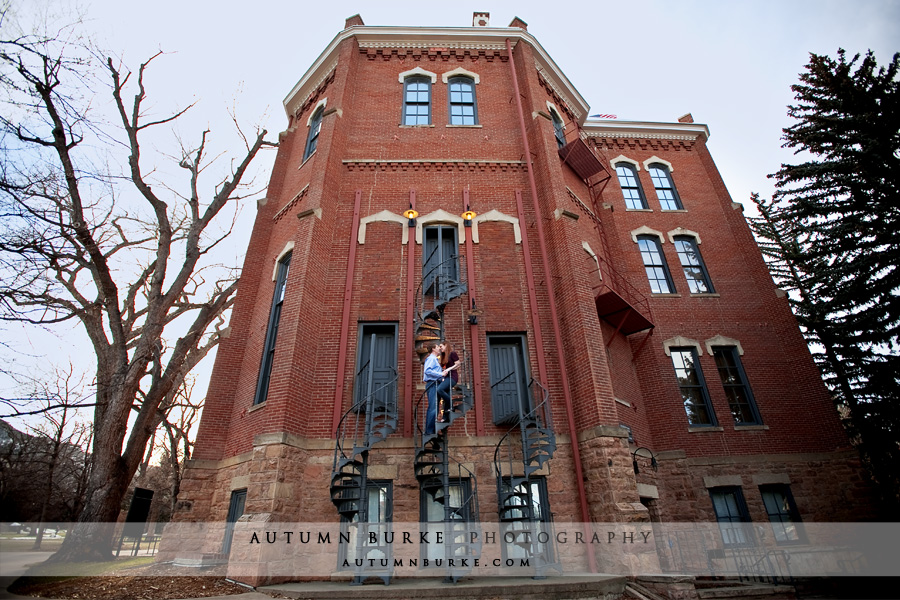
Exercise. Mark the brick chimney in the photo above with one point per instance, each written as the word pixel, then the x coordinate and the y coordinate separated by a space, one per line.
pixel 481 19
pixel 517 22
pixel 354 20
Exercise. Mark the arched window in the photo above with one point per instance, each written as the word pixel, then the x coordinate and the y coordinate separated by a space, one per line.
pixel 559 130
pixel 631 186
pixel 265 367
pixel 692 385
pixel 417 100
pixel 692 263
pixel 655 265
pixel 737 387
pixel 315 124
pixel 463 110
pixel 665 187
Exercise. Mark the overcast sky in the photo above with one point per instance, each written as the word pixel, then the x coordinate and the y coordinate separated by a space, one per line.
pixel 729 63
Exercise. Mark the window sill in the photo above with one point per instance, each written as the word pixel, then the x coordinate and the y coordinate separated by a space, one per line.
pixel 465 126
pixel 652 295
pixel 638 209
pixel 674 210
pixel 306 160
pixel 704 428
pixel 256 407
pixel 712 295
pixel 415 126
pixel 751 427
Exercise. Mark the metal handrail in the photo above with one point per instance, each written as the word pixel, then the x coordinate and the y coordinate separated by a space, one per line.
pixel 429 275
pixel 540 414
pixel 354 409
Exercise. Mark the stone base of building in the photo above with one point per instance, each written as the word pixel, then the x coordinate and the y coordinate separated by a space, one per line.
pixel 286 480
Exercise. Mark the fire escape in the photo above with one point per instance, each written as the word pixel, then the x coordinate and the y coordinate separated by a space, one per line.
pixel 524 521
pixel 446 481
pixel 369 421
pixel 618 302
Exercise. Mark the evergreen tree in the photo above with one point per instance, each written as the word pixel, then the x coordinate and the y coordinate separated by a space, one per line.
pixel 832 236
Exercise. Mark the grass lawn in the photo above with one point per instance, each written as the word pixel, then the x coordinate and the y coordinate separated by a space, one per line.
pixel 20 544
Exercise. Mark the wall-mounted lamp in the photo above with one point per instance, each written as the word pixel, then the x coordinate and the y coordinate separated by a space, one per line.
pixel 473 314
pixel 411 214
pixel 468 216
pixel 634 463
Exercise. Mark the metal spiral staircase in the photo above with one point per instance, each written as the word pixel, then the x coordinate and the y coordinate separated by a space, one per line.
pixel 515 462
pixel 437 473
pixel 369 421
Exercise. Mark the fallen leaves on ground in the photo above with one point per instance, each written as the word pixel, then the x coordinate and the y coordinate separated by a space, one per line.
pixel 155 582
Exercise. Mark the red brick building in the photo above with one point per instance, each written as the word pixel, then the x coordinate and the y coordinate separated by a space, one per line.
pixel 625 356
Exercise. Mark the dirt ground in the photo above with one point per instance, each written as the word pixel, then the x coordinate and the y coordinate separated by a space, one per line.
pixel 154 582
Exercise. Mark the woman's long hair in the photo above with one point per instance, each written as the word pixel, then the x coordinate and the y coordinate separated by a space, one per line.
pixel 445 355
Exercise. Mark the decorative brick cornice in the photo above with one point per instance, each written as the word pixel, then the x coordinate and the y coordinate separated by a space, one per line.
pixel 559 99
pixel 294 201
pixel 451 44
pixel 317 91
pixel 426 165
pixel 442 52
pixel 642 141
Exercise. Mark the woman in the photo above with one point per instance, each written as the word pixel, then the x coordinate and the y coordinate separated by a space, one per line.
pixel 434 377
pixel 449 360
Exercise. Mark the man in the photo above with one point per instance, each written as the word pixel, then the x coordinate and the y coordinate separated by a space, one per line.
pixel 432 377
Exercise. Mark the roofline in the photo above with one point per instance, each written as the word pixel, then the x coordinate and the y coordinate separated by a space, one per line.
pixel 596 128
pixel 326 61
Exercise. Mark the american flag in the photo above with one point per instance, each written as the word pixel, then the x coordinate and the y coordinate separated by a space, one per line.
pixel 603 117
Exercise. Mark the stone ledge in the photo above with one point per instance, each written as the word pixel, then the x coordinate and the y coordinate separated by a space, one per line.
pixel 602 431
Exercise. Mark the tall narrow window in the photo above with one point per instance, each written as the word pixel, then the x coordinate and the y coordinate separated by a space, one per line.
pixel 655 265
pixel 694 270
pixel 417 100
pixel 432 513
pixel 631 187
pixel 312 139
pixel 693 387
pixel 376 368
pixel 379 514
pixel 235 510
pixel 665 187
pixel 265 368
pixel 440 272
pixel 510 398
pixel 559 130
pixel 517 515
pixel 732 515
pixel 463 110
pixel 782 513
pixel 737 389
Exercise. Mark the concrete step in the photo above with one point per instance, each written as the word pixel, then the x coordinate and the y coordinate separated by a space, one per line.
pixel 599 587
pixel 639 592
pixel 755 590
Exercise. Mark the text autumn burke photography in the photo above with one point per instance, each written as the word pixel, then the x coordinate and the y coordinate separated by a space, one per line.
pixel 437 537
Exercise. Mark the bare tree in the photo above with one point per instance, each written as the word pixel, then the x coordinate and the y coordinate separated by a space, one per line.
pixel 61 438
pixel 179 433
pixel 43 472
pixel 126 257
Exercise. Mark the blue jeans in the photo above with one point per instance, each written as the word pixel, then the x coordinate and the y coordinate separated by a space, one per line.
pixel 434 389
pixel 431 390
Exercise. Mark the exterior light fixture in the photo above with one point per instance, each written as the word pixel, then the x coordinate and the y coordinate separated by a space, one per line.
pixel 411 214
pixel 468 216
pixel 634 462
pixel 473 314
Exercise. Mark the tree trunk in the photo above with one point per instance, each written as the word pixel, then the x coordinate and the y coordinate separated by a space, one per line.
pixel 92 537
